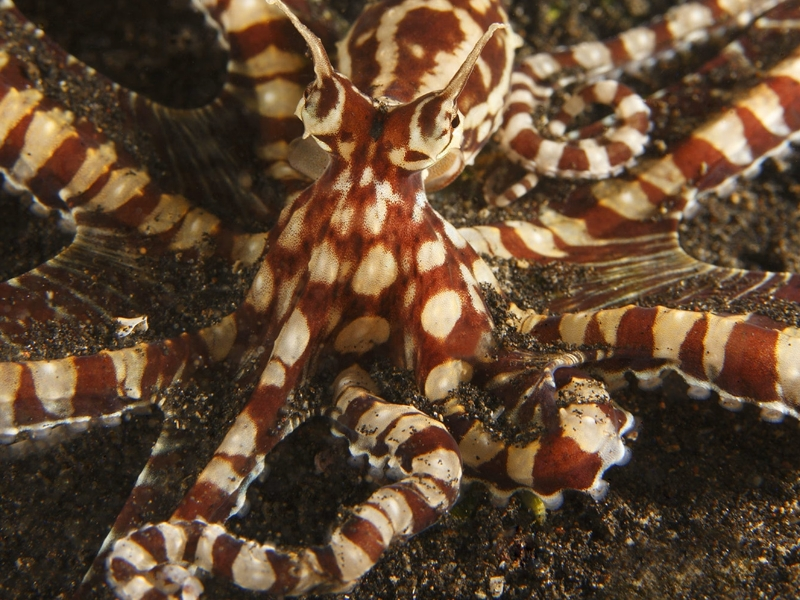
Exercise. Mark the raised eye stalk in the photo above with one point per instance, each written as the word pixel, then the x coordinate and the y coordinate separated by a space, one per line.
pixel 322 64
pixel 453 89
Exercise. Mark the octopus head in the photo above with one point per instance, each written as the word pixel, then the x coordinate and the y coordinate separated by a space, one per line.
pixel 343 120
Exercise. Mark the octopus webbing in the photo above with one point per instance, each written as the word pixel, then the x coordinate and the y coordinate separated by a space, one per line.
pixel 358 271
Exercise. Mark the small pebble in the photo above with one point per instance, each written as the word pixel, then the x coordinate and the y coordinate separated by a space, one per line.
pixel 497 585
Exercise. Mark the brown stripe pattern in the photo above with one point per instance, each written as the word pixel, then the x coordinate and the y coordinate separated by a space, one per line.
pixel 358 270
pixel 598 151
pixel 120 216
pixel 625 231
pixel 381 54
pixel 741 358
pixel 419 452
pixel 578 442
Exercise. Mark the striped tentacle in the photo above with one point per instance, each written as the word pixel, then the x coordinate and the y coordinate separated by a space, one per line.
pixel 219 491
pixel 267 73
pixel 625 231
pixel 612 148
pixel 274 314
pixel 121 216
pixel 679 27
pixel 570 432
pixel 595 151
pixel 204 160
pixel 205 171
pixel 161 561
pixel 743 358
pixel 229 341
pixel 153 490
pixel 78 390
pixel 206 151
pixel 747 57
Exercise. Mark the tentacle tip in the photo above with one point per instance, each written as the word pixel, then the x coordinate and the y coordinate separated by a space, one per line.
pixel 627 423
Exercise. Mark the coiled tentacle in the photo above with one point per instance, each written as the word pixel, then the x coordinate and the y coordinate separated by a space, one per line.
pixel 599 151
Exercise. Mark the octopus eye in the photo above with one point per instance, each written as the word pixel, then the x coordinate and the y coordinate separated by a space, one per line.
pixel 456 121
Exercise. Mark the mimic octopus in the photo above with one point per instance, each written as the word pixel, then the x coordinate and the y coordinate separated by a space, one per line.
pixel 354 282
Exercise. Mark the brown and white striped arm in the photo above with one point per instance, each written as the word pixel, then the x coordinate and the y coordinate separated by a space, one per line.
pixel 267 73
pixel 197 147
pixel 595 151
pixel 600 150
pixel 625 231
pixel 570 431
pixel 78 390
pixel 163 560
pixel 120 215
pixel 742 358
